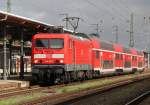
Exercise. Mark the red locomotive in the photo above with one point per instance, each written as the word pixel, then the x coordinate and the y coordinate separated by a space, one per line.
pixel 65 57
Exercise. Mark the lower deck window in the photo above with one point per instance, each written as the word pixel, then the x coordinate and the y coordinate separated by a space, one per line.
pixel 127 64
pixel 139 64
pixel 107 64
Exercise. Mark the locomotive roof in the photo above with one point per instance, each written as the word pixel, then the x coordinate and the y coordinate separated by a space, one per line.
pixel 82 35
pixel 48 35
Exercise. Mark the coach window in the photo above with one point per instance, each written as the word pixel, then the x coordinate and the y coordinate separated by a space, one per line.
pixel 139 64
pixel 107 64
pixel 127 64
pixel 134 58
pixel 119 57
pixel 97 54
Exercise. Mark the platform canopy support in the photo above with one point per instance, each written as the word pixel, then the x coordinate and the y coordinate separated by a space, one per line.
pixel 3 27
pixel 21 55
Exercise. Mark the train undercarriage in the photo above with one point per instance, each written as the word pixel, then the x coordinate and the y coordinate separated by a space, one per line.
pixel 58 74
pixel 55 74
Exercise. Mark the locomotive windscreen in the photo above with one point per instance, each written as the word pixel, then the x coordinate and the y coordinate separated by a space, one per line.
pixel 41 43
pixel 54 43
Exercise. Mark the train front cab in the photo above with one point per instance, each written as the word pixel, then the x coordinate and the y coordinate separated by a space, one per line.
pixel 48 56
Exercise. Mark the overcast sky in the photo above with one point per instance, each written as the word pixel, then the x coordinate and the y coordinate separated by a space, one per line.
pixel 111 12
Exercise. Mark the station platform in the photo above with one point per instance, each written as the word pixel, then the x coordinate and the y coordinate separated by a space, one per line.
pixel 13 84
pixel 14 81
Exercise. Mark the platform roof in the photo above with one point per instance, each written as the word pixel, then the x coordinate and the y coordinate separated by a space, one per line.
pixel 15 22
pixel 16 19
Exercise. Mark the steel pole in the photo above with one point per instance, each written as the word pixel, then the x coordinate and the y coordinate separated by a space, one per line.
pixel 5 53
pixel 21 57
pixel 10 56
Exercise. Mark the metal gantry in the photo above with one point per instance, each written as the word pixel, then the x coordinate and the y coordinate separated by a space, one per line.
pixel 66 19
pixel 74 22
pixel 131 42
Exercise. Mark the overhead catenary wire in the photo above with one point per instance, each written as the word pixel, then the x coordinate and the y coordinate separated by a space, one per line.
pixel 113 8
pixel 109 9
pixel 126 6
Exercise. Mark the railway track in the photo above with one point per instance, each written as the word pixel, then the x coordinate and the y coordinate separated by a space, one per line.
pixel 63 99
pixel 18 91
pixel 35 88
pixel 31 89
pixel 139 99
pixel 59 97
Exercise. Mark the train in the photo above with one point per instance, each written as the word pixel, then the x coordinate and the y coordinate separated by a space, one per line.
pixel 63 57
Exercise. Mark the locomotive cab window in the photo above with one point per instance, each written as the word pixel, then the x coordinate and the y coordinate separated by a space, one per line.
pixel 41 43
pixel 56 43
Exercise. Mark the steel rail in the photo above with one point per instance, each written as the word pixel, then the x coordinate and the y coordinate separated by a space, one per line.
pixel 62 98
pixel 139 99
pixel 19 91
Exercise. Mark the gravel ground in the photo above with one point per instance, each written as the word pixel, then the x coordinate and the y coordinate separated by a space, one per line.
pixel 117 96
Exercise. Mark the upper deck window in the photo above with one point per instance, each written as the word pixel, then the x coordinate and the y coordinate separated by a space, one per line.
pixel 41 43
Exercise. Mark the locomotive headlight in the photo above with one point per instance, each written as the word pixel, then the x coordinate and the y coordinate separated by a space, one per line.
pixel 61 61
pixel 36 61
